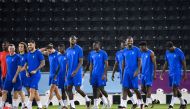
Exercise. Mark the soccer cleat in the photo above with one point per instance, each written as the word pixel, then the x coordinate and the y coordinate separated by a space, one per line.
pixel 170 107
pixel 121 107
pixel 184 106
pixel 71 107
pixel 146 106
pixel 154 102
pixel 88 103
pixel 134 106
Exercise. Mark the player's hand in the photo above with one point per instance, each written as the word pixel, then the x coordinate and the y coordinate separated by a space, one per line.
pixel 27 74
pixel 104 77
pixel 74 73
pixel 184 76
pixel 161 77
pixel 14 80
pixel 112 77
pixel 136 74
pixel 83 75
pixel 55 77
pixel 33 72
pixel 154 76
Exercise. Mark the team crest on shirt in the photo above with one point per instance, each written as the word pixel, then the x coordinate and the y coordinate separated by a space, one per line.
pixel 22 59
pixel 33 56
pixel 12 60
pixel 174 56
pixel 146 56
pixel 133 53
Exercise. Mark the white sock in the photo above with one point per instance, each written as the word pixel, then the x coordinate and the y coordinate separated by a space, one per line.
pixel 147 101
pixel 15 104
pixel 65 102
pixel 61 102
pixel 132 100
pixel 39 104
pixel 29 104
pixel 108 101
pixel 182 101
pixel 23 105
pixel 2 104
pixel 48 102
pixel 96 102
pixel 103 100
pixel 140 101
pixel 125 103
pixel 173 100
pixel 86 98
pixel 72 103
pixel 121 102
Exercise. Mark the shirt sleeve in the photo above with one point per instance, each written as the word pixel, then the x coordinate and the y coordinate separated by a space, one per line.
pixel 105 56
pixel 40 56
pixel 138 53
pixel 116 58
pixel 80 53
pixel 181 55
pixel 166 59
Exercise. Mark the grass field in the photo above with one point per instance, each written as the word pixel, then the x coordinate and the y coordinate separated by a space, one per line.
pixel 115 107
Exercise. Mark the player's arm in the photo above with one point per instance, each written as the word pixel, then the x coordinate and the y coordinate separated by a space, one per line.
pixel 154 62
pixel 163 70
pixel 139 67
pixel 86 67
pixel 78 67
pixel 57 71
pixel 184 69
pixel 123 67
pixel 42 64
pixel 105 70
pixel 16 74
pixel 90 68
pixel 114 69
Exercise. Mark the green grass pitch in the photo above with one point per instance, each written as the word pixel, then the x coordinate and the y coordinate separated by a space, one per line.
pixel 160 106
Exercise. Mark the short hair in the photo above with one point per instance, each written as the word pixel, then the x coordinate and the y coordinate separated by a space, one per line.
pixel 97 42
pixel 169 44
pixel 50 46
pixel 143 43
pixel 25 46
pixel 11 45
pixel 129 37
pixel 61 45
pixel 73 37
pixel 5 41
pixel 31 41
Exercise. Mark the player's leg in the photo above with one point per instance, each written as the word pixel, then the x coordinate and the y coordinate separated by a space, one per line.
pixel 22 98
pixel 64 96
pixel 56 90
pixel 102 98
pixel 95 96
pixel 183 102
pixel 15 100
pixel 102 90
pixel 4 98
pixel 52 88
pixel 31 98
pixel 78 89
pixel 70 93
pixel 77 82
pixel 123 103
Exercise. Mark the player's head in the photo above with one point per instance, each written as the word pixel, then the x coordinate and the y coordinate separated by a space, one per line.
pixel 73 40
pixel 170 46
pixel 96 45
pixel 129 42
pixel 122 45
pixel 61 48
pixel 5 45
pixel 50 48
pixel 143 45
pixel 22 47
pixel 31 45
pixel 11 48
